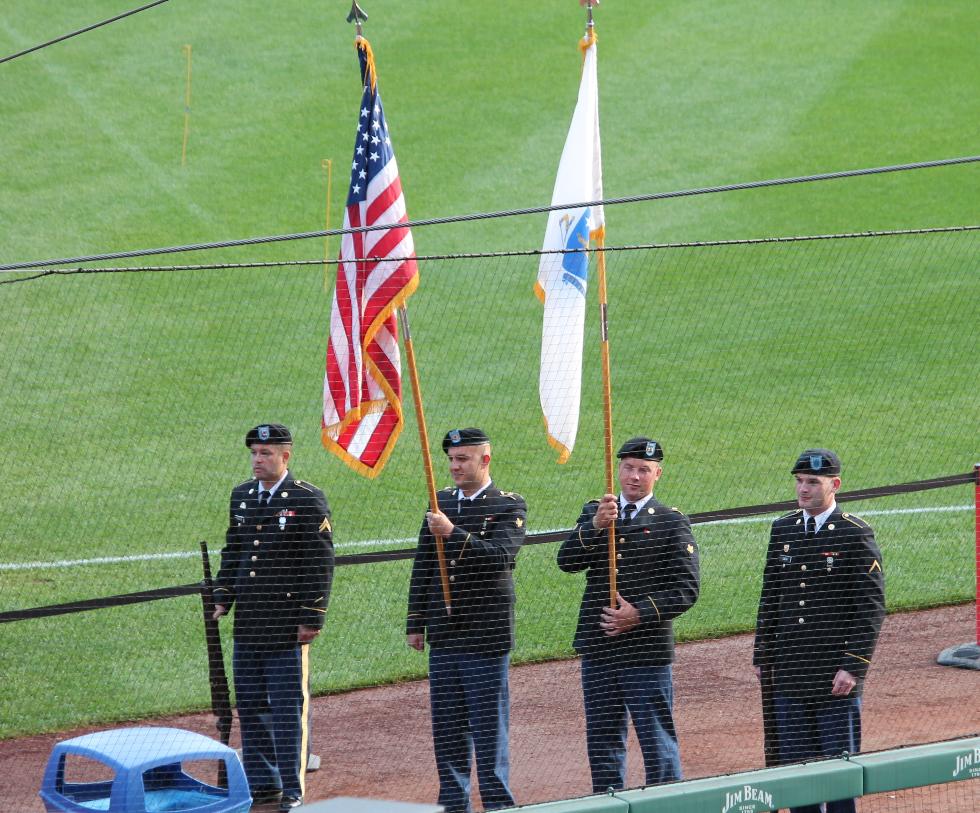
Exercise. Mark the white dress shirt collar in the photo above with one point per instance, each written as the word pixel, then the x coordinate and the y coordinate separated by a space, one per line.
pixel 460 496
pixel 639 503
pixel 275 487
pixel 819 519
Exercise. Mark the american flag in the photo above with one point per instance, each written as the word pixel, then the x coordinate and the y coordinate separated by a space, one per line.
pixel 377 272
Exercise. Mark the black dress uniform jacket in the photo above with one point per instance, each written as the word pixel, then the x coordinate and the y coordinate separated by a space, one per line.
pixel 481 554
pixel 277 563
pixel 822 604
pixel 657 571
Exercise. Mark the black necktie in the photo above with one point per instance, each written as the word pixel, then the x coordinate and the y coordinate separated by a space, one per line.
pixel 264 498
pixel 809 526
pixel 628 510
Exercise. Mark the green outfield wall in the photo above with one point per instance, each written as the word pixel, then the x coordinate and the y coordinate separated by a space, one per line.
pixel 792 785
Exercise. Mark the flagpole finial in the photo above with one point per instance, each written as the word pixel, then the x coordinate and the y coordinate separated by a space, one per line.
pixel 590 23
pixel 357 16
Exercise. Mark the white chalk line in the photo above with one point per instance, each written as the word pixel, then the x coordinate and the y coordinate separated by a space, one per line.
pixel 379 543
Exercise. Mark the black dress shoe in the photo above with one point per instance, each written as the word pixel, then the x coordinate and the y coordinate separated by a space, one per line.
pixel 264 796
pixel 289 802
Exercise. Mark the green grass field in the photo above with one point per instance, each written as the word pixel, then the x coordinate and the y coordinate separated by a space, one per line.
pixel 126 396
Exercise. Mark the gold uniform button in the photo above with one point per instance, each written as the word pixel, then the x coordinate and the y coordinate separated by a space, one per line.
pixel 617 571
pixel 622 539
pixel 452 562
pixel 452 578
pixel 289 595
pixel 802 567
pixel 619 556
pixel 251 573
pixel 802 603
pixel 801 621
pixel 255 558
pixel 803 584
pixel 258 527
pixel 256 543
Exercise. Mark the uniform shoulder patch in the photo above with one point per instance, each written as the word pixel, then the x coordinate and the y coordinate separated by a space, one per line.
pixel 855 520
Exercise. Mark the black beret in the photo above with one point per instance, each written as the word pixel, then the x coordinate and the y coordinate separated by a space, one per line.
pixel 817 461
pixel 471 436
pixel 641 447
pixel 271 433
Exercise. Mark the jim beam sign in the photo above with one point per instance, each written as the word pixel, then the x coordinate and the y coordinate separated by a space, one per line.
pixel 748 799
pixel 967 765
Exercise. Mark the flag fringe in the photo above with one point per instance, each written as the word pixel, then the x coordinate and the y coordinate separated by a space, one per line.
pixel 367 471
pixel 563 451
pixel 361 411
pixel 397 301
pixel 362 43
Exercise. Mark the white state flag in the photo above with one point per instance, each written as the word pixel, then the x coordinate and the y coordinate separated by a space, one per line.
pixel 562 278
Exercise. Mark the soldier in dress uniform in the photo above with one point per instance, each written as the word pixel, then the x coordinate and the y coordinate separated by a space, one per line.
pixel 276 568
pixel 482 529
pixel 627 650
pixel 820 612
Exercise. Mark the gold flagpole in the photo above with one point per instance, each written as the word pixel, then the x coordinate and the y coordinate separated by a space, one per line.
pixel 607 414
pixel 426 456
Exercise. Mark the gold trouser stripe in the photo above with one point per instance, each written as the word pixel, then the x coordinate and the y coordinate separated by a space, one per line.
pixel 304 745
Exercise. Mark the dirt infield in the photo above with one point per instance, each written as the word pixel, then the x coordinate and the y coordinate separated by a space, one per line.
pixel 376 742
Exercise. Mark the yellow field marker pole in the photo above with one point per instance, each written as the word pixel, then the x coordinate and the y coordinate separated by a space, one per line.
pixel 327 164
pixel 187 107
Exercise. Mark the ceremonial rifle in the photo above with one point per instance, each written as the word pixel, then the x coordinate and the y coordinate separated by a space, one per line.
pixel 220 696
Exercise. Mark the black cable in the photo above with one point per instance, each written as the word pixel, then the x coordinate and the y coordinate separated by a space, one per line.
pixel 81 31
pixel 250 241
pixel 475 255
pixel 532 539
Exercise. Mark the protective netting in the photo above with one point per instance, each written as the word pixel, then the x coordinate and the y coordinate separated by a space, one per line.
pixel 127 396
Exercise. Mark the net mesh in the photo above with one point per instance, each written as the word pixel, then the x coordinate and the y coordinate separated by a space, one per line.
pixel 127 396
